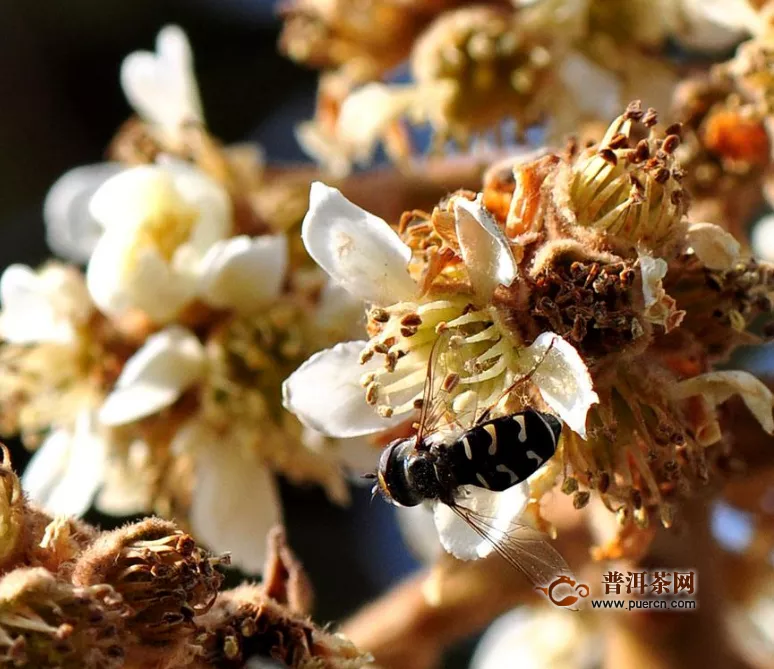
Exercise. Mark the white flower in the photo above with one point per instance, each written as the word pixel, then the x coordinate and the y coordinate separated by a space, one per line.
pixel 162 89
pixel 762 238
pixel 162 86
pixel 538 639
pixel 68 468
pixel 363 254
pixel 236 501
pixel 166 242
pixel 49 305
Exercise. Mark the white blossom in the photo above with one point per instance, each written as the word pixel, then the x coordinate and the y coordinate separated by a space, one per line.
pixel 364 255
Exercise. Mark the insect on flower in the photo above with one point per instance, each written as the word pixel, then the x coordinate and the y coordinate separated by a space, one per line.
pixel 445 466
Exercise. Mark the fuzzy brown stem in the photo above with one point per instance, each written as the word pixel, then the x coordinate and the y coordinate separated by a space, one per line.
pixel 653 639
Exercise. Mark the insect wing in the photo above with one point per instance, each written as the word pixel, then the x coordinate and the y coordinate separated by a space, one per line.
pixel 523 547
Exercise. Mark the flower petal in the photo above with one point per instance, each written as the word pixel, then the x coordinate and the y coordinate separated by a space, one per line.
pixel 71 230
pixel 339 314
pixel 162 86
pixel 660 308
pixel 235 502
pixel 66 471
pixel 717 387
pixel 563 380
pixel 359 250
pixel 169 362
pixel 501 509
pixel 366 114
pixel 128 487
pixel 43 306
pixel 417 526
pixel 325 393
pixel 244 273
pixel 713 246
pixel 485 249
pixel 762 238
pixel 595 91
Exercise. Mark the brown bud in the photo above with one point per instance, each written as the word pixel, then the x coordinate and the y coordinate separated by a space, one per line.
pixel 245 624
pixel 48 623
pixel 165 579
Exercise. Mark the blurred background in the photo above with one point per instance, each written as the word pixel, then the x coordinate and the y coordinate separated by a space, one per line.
pixel 60 104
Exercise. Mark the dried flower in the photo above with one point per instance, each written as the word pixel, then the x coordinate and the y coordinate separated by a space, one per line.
pixel 245 623
pixel 163 577
pixel 45 622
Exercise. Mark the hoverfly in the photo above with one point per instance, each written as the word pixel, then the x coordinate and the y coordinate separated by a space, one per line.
pixel 475 452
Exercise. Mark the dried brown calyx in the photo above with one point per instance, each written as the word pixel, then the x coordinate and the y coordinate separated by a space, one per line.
pixel 245 623
pixel 164 578
pixel 50 624
pixel 268 621
pixel 719 306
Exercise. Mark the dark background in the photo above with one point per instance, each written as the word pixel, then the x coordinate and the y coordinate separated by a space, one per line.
pixel 60 104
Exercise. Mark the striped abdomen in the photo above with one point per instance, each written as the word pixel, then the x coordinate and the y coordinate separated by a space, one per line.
pixel 504 451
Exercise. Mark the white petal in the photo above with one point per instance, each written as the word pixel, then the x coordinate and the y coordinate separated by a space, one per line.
pixel 152 285
pixel 28 315
pixel 366 113
pixel 43 306
pixel 244 273
pixel 71 231
pixel 596 92
pixel 325 393
pixel 358 455
pixel 417 525
pixel 155 377
pixel 653 271
pixel 339 313
pixel 563 380
pixel 738 15
pixel 717 387
pixel 485 249
pixel 500 508
pixel 235 503
pixel 66 471
pixel 162 86
pixel 359 250
pixel 539 638
pixel 129 487
pixel 762 238
pixel 713 246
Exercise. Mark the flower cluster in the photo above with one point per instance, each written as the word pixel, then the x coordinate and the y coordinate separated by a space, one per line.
pixel 153 383
pixel 573 283
pixel 145 595
pixel 481 67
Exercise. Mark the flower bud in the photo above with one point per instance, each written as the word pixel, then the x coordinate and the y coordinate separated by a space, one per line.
pixel 46 623
pixel 163 577
pixel 244 623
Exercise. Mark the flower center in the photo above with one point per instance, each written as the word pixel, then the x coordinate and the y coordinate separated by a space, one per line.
pixel 476 364
pixel 168 223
